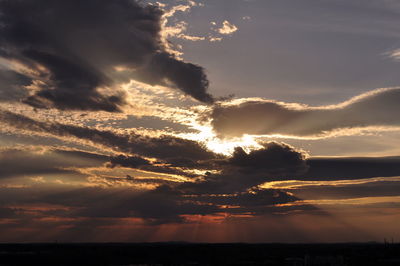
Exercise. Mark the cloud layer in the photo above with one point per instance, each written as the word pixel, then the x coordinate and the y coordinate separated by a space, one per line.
pixel 111 191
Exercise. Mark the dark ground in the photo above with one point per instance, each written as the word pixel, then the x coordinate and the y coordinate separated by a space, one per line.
pixel 200 254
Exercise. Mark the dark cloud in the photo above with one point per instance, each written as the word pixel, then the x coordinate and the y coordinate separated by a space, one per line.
pixel 352 168
pixel 282 162
pixel 165 204
pixel 257 198
pixel 128 161
pixel 275 159
pixel 7 213
pixel 82 155
pixel 137 162
pixel 73 49
pixel 190 163
pixel 190 78
pixel 162 147
pixel 236 177
pixel 170 202
pixel 381 188
pixel 243 171
pixel 377 108
pixel 71 86
pixel 167 149
pixel 232 188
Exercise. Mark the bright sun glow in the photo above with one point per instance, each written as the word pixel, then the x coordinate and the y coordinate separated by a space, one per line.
pixel 208 137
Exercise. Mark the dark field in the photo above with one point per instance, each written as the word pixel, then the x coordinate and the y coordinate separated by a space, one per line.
pixel 200 254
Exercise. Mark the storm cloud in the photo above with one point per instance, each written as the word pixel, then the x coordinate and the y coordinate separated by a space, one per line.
pixel 378 108
pixel 76 53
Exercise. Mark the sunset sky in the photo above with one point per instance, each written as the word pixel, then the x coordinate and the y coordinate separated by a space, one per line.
pixel 199 120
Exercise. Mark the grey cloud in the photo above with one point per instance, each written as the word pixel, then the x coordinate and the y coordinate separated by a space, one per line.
pixel 259 117
pixel 17 162
pixel 79 44
pixel 11 84
pixel 7 213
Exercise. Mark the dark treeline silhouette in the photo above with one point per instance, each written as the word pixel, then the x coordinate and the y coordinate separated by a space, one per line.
pixel 200 254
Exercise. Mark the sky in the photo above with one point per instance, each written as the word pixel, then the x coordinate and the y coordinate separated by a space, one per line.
pixel 200 121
